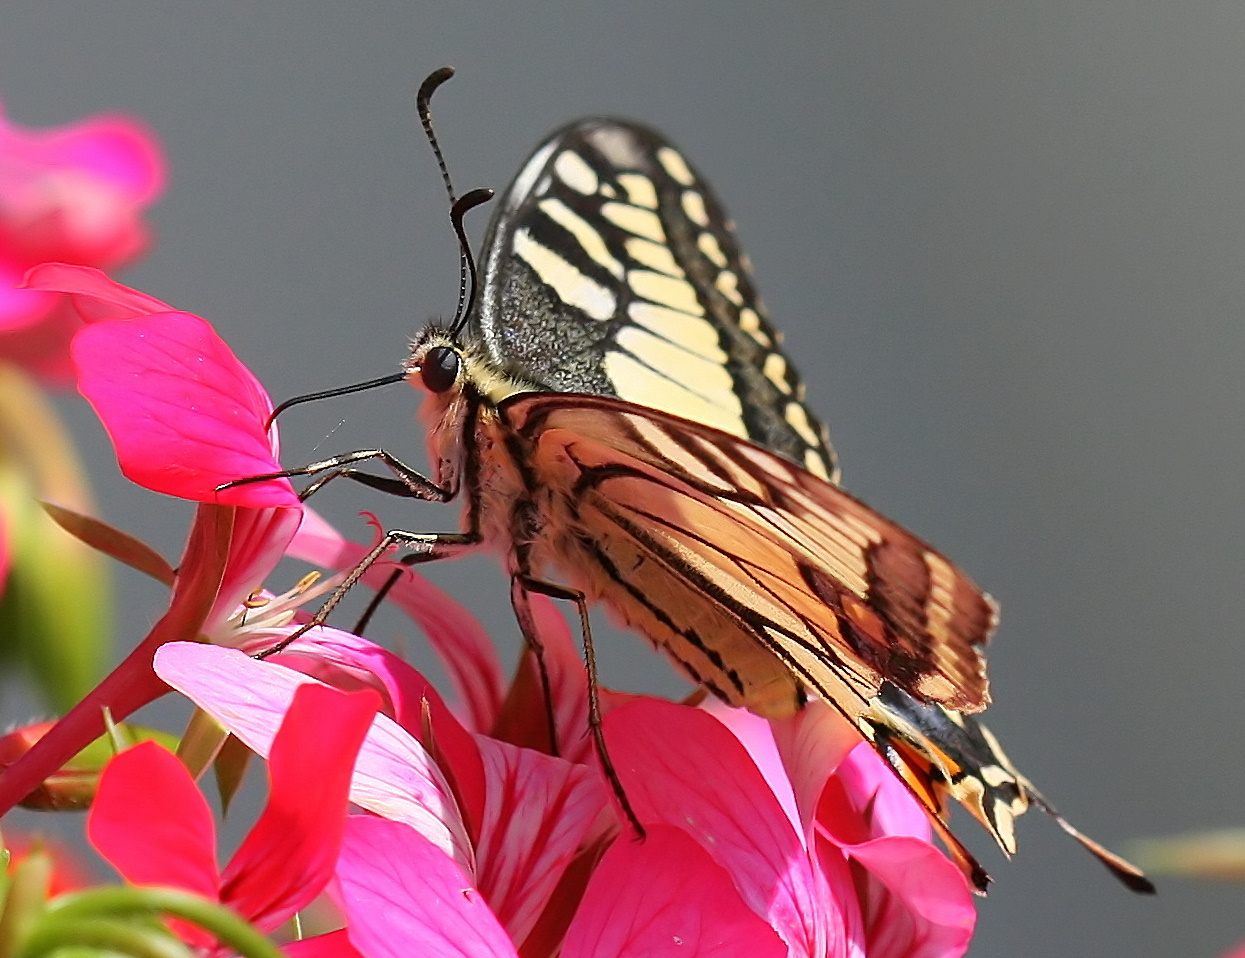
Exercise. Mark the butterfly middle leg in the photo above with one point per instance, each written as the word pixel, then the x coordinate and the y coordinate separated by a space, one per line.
pixel 522 586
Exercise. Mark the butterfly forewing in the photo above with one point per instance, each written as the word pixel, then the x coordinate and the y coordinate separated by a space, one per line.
pixel 611 269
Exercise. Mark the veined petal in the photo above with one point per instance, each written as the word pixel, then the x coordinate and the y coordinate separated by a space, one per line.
pixel 537 812
pixel 183 413
pixel 288 856
pixel 345 660
pixel 260 538
pixel 637 906
pixel 915 902
pixel 394 776
pixel 402 897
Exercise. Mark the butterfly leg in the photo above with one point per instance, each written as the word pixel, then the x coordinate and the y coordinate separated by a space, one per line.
pixel 425 546
pixel 405 481
pixel 520 601
pixel 526 583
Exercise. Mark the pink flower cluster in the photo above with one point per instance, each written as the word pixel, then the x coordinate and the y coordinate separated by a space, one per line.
pixel 432 829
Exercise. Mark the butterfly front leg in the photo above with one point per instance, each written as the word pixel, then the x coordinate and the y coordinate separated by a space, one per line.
pixel 405 482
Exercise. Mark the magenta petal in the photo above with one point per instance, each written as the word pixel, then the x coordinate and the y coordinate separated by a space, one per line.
pixel 183 413
pixel 288 856
pixel 814 744
pixel 394 776
pixel 870 783
pixel 538 809
pixel 918 903
pixel 637 905
pixel 96 296
pixel 152 824
pixel 345 660
pixel 682 767
pixel 403 897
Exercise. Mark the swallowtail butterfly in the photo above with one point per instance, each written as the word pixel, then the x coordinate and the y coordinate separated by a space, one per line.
pixel 625 428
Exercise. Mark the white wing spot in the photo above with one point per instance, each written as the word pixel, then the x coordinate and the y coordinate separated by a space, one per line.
pixel 675 165
pixel 709 246
pixel 665 291
pixel 775 370
pixel 575 172
pixel 653 255
pixel 592 242
pixel 637 383
pixel 572 286
pixel 634 220
pixel 694 207
pixel 815 464
pixel 691 332
pixel 705 373
pixel 728 285
pixel 797 419
pixel 640 189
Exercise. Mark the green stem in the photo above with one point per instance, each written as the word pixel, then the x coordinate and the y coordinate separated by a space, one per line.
pixel 103 935
pixel 110 902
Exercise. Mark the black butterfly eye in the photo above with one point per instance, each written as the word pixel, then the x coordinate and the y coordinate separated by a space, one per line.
pixel 439 369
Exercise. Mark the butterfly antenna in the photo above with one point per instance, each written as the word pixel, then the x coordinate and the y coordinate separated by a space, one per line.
pixel 465 304
pixel 423 103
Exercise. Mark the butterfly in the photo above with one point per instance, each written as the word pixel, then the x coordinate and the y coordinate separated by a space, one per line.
pixel 625 428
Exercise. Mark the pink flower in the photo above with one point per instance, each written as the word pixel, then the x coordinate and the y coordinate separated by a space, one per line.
pixel 169 391
pixel 152 824
pixel 767 863
pixel 74 194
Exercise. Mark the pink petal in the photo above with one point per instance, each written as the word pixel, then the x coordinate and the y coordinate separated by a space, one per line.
pixel 77 193
pixel 152 824
pixel 814 744
pixel 288 856
pixel 537 813
pixel 917 902
pixel 394 776
pixel 95 295
pixel 182 412
pixel 638 905
pixel 345 660
pixel 680 766
pixel 402 897
pixel 892 809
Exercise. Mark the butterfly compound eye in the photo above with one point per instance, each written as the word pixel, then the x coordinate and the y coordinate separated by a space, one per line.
pixel 439 370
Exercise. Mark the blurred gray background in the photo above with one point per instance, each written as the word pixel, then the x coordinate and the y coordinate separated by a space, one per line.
pixel 1006 244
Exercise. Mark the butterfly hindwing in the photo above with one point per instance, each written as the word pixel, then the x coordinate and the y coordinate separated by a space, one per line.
pixel 834 590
